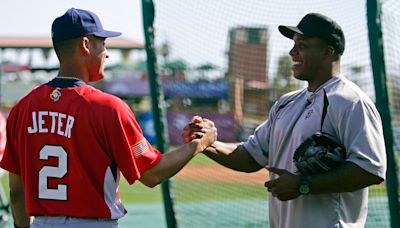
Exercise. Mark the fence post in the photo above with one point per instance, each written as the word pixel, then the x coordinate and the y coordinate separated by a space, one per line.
pixel 382 101
pixel 157 100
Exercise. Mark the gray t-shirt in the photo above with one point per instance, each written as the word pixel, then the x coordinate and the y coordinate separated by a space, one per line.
pixel 352 119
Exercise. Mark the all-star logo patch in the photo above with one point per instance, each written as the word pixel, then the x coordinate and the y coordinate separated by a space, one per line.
pixel 309 113
pixel 55 95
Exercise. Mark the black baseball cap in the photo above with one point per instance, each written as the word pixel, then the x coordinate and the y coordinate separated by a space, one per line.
pixel 317 25
pixel 78 23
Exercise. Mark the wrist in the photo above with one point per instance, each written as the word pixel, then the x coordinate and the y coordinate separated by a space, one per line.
pixel 16 226
pixel 304 185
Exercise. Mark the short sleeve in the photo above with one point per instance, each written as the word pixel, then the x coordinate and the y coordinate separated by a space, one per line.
pixel 258 143
pixel 10 161
pixel 130 149
pixel 361 132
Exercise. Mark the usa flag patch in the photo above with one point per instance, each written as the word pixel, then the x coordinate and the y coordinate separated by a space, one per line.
pixel 140 148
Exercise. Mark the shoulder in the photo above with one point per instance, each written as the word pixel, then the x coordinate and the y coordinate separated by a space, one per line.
pixel 347 99
pixel 289 96
pixel 102 102
pixel 95 96
pixel 343 92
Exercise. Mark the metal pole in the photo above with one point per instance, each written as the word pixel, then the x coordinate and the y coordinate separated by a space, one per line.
pixel 382 101
pixel 158 107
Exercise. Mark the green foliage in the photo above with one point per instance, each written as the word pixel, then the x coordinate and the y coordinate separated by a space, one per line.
pixel 284 67
pixel 206 67
pixel 176 65
pixel 283 82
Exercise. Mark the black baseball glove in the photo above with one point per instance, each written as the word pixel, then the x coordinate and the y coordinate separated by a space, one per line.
pixel 318 154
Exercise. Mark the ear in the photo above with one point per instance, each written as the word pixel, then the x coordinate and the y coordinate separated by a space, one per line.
pixel 84 45
pixel 329 51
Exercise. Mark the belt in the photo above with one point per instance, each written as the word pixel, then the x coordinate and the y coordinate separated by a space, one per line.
pixel 72 218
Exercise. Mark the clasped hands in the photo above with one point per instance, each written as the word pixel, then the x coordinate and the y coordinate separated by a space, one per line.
pixel 284 187
pixel 200 128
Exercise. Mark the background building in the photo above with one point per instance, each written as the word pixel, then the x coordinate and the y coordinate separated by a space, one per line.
pixel 247 75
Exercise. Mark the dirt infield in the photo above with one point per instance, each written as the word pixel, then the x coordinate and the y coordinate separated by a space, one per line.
pixel 219 173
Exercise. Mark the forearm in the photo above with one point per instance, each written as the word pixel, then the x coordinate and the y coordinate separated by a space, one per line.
pixel 171 163
pixel 233 156
pixel 21 218
pixel 346 178
pixel 17 202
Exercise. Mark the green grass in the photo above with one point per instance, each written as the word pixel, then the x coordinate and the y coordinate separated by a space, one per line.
pixel 187 190
pixel 4 183
pixel 136 193
pixel 202 159
pixel 139 193
pixel 377 190
pixel 195 191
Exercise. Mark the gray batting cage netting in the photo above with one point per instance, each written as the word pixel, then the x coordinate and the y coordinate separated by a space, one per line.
pixel 226 61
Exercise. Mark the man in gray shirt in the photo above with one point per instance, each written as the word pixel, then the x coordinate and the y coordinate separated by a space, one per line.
pixel 337 198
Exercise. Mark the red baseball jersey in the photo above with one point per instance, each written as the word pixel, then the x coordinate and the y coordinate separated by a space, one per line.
pixel 69 142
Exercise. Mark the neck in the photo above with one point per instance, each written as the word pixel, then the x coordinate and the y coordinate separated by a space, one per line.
pixel 72 71
pixel 324 76
pixel 68 77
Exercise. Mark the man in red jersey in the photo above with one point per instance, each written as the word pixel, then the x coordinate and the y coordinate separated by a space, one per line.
pixel 68 142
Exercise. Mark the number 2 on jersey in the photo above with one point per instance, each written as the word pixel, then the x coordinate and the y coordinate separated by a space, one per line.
pixel 60 192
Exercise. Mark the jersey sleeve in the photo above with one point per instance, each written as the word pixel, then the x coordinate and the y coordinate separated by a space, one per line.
pixel 130 149
pixel 258 143
pixel 10 161
pixel 361 131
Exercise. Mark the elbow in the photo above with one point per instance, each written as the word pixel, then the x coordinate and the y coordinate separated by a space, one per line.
pixel 150 181
pixel 252 166
pixel 251 170
pixel 245 169
pixel 373 180
pixel 378 180
pixel 150 184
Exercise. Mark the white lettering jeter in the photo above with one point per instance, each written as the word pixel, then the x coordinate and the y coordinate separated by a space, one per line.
pixel 57 122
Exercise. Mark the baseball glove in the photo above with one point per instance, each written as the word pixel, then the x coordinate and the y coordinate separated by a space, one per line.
pixel 318 154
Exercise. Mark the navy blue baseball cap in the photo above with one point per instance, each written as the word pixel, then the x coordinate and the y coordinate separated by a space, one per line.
pixel 317 25
pixel 78 23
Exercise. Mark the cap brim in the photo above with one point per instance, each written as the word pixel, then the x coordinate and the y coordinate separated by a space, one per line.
pixel 289 31
pixel 107 34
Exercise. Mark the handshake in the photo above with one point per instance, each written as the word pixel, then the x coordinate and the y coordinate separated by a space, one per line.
pixel 200 129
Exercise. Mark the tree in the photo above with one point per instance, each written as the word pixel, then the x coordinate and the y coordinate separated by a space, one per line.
pixel 205 68
pixel 283 82
pixel 176 68
pixel 176 65
pixel 284 68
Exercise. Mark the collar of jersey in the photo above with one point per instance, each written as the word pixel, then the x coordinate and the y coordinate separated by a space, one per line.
pixel 311 95
pixel 65 82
